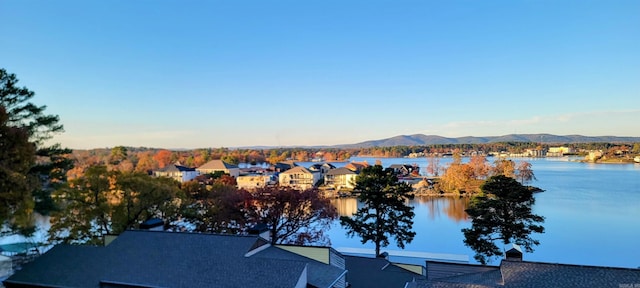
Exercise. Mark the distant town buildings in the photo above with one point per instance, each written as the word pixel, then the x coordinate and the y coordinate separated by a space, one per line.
pixel 560 151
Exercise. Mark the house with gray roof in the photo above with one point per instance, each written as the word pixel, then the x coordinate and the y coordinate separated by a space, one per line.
pixel 299 178
pixel 516 273
pixel 283 166
pixel 340 178
pixel 178 172
pixel 323 168
pixel 171 259
pixel 366 272
pixel 404 170
pixel 219 165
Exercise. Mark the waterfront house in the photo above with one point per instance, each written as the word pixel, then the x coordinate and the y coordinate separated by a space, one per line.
pixel 340 178
pixel 594 155
pixel 219 165
pixel 283 166
pixel 560 151
pixel 535 153
pixel 251 182
pixel 357 166
pixel 404 170
pixel 299 178
pixel 178 172
pixel 172 259
pixel 514 272
pixel 323 168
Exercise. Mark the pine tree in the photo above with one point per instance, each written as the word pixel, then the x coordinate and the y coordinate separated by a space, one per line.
pixel 385 213
pixel 17 156
pixel 502 212
pixel 50 169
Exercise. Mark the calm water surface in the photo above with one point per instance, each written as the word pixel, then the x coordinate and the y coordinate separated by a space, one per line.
pixel 592 215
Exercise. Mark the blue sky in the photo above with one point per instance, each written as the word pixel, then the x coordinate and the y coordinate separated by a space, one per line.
pixel 189 74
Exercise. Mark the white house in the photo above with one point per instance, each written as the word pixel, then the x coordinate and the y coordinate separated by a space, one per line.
pixel 177 172
pixel 340 178
pixel 219 165
pixel 299 178
pixel 323 168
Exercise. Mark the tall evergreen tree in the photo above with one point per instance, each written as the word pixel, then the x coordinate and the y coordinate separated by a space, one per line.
pixel 501 213
pixel 50 168
pixel 17 155
pixel 385 213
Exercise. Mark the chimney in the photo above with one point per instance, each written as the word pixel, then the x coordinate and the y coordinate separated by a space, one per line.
pixel 514 253
pixel 153 224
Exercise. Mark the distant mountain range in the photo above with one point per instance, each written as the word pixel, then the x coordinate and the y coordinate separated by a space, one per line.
pixel 423 140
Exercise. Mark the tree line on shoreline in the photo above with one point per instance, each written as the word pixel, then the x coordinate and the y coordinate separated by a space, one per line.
pixel 142 158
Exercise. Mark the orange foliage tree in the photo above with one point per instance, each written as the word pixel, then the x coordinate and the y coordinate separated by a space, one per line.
pixel 163 158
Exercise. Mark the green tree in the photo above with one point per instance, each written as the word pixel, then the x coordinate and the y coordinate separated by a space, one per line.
pixel 502 213
pixel 143 197
pixel 108 202
pixel 222 209
pixel 50 169
pixel 85 211
pixel 118 154
pixel 231 159
pixel 385 213
pixel 17 156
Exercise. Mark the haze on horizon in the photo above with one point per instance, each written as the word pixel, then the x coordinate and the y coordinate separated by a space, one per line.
pixel 176 74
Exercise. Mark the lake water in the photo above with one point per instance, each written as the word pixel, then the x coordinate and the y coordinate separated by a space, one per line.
pixel 592 214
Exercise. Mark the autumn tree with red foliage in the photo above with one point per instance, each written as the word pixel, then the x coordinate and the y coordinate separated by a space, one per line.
pixel 163 158
pixel 294 216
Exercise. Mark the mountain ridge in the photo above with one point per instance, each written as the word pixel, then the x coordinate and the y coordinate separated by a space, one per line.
pixel 423 140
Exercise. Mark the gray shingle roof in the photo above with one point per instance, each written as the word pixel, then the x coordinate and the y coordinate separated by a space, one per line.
pixel 524 274
pixel 169 259
pixel 537 274
pixel 340 171
pixel 63 266
pixel 376 272
pixel 296 170
pixel 439 269
pixel 318 275
pixel 217 165
pixel 176 168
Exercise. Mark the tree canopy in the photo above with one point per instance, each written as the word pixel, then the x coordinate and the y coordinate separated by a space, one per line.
pixel 502 213
pixel 294 216
pixel 17 156
pixel 217 208
pixel 38 127
pixel 385 213
pixel 109 202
